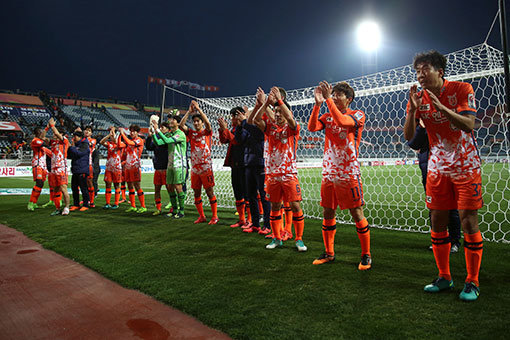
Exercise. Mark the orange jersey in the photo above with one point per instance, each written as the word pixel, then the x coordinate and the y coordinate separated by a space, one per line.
pixel 114 157
pixel 59 156
pixel 453 152
pixel 281 149
pixel 92 147
pixel 200 146
pixel 134 153
pixel 39 155
pixel 341 146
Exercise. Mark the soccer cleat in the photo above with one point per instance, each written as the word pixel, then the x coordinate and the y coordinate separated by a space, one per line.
pixel 237 224
pixel 35 205
pixel 65 212
pixel 275 243
pixel 286 235
pixel 470 292
pixel 247 225
pixel 156 213
pixel 131 209
pixel 252 229
pixel 169 206
pixel 214 220
pixel 122 201
pixel 92 205
pixel 201 219
pixel 115 206
pixel 74 208
pixel 141 210
pixel 366 262
pixel 56 212
pixel 107 206
pixel 30 206
pixel 83 209
pixel 301 246
pixel 47 204
pixel 264 231
pixel 439 284
pixel 324 258
pixel 178 215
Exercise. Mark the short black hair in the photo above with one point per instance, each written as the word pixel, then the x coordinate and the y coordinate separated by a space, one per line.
pixel 344 88
pixel 88 127
pixel 134 127
pixel 37 131
pixel 235 111
pixel 176 117
pixel 432 57
pixel 78 133
pixel 197 115
pixel 165 124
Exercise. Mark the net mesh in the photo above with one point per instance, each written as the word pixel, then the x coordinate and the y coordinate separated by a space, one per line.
pixel 393 191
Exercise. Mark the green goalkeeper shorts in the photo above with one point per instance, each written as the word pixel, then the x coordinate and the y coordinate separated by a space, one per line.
pixel 175 175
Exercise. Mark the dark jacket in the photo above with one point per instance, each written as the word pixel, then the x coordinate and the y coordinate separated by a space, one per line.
pixel 420 142
pixel 96 156
pixel 235 151
pixel 79 154
pixel 253 139
pixel 160 159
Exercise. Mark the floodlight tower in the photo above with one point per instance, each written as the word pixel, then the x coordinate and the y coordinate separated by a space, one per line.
pixel 369 38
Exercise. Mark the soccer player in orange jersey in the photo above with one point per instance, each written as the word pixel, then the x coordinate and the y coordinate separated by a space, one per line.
pixel 134 148
pixel 113 169
pixel 282 184
pixel 201 162
pixel 58 175
pixel 448 110
pixel 39 168
pixel 341 177
pixel 92 145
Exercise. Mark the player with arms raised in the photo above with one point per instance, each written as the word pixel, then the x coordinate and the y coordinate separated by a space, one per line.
pixel 133 172
pixel 282 183
pixel 341 177
pixel 58 175
pixel 113 169
pixel 201 162
pixel 39 168
pixel 447 108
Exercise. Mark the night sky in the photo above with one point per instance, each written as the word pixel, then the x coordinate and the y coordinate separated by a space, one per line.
pixel 107 48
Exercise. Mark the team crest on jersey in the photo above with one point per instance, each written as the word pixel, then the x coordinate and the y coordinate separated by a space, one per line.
pixel 425 107
pixel 342 134
pixel 358 115
pixel 471 101
pixel 452 100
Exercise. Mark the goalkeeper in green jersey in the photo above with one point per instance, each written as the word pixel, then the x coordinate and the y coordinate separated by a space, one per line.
pixel 176 169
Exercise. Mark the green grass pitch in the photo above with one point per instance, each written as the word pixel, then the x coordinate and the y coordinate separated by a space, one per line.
pixel 229 281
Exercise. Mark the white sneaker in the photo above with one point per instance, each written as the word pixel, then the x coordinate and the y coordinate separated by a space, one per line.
pixel 65 211
pixel 301 246
pixel 275 244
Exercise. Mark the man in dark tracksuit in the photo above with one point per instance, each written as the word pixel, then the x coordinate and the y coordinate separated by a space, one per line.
pixel 160 162
pixel 253 139
pixel 420 142
pixel 235 160
pixel 96 168
pixel 79 153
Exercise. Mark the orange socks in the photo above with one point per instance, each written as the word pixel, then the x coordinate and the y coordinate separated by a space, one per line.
pixel 473 249
pixel 123 190
pixel 240 210
pixel 328 235
pixel 275 219
pixel 214 207
pixel 248 211
pixel 36 192
pixel 57 197
pixel 199 206
pixel 132 198
pixel 364 236
pixel 441 247
pixel 158 203
pixel 108 195
pixel 288 217
pixel 141 198
pixel 117 196
pixel 299 224
pixel 91 194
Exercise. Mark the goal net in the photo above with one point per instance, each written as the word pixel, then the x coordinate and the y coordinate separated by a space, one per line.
pixel 393 192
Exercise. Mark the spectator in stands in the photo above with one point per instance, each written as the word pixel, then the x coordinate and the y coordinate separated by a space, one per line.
pixel 79 153
pixel 420 142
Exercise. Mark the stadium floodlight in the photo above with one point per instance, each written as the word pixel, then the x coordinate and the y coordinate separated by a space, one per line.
pixel 369 36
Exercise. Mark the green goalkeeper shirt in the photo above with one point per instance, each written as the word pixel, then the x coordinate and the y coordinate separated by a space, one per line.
pixel 176 147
